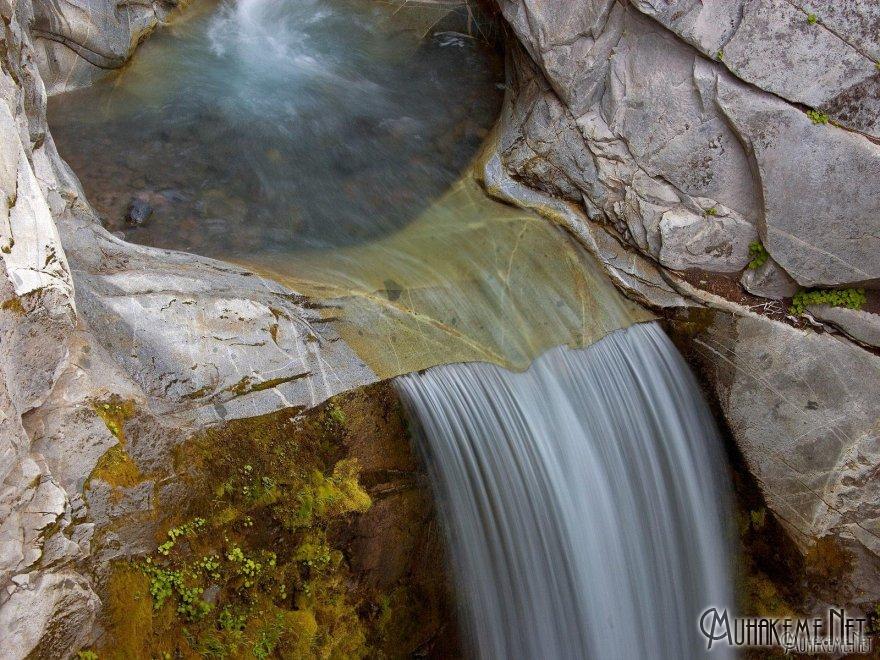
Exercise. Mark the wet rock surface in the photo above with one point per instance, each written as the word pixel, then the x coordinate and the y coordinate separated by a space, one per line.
pixel 138 212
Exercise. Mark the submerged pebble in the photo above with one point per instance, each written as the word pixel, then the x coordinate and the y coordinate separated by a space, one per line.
pixel 138 212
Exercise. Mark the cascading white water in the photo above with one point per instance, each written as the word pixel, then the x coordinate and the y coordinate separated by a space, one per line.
pixel 585 501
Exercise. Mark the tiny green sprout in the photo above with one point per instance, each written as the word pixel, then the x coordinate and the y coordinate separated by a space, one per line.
pixel 713 211
pixel 758 254
pixel 817 117
pixel 811 19
pixel 720 55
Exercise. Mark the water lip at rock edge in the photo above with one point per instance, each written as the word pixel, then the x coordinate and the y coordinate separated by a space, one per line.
pixel 470 280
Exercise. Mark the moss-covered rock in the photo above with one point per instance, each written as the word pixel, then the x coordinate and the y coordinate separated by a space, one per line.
pixel 295 538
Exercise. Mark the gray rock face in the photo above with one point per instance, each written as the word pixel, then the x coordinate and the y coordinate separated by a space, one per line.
pixel 775 45
pixel 614 111
pixel 769 281
pixel 864 327
pixel 202 338
pixel 819 184
pixel 719 244
pixel 77 42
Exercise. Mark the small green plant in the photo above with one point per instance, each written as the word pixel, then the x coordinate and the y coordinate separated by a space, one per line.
pixel 164 584
pixel 712 211
pixel 87 655
pixel 758 517
pixel 811 19
pixel 337 415
pixel 849 298
pixel 231 622
pixel 175 533
pixel 720 55
pixel 758 254
pixel 817 117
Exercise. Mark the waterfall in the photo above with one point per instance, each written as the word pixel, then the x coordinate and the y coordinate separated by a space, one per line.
pixel 585 501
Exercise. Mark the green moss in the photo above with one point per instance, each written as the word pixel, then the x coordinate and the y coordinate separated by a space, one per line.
pixel 719 55
pixel 116 468
pixel 817 117
pixel 13 305
pixel 828 560
pixel 131 613
pixel 255 563
pixel 712 212
pixel 277 490
pixel 812 19
pixel 336 414
pixel 849 298
pixel 758 254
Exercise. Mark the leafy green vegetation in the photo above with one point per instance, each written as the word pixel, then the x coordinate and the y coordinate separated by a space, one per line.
pixel 758 254
pixel 812 19
pixel 712 211
pixel 817 117
pixel 849 298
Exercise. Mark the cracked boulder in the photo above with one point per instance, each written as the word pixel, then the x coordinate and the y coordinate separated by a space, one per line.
pixel 204 339
pixel 819 54
pixel 804 410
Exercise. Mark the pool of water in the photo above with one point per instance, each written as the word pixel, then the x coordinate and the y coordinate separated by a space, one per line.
pixel 264 126
pixel 328 144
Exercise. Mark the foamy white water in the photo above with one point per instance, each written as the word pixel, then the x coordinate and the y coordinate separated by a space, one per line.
pixel 585 501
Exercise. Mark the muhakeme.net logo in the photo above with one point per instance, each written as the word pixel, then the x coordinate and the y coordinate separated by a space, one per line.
pixel 835 633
